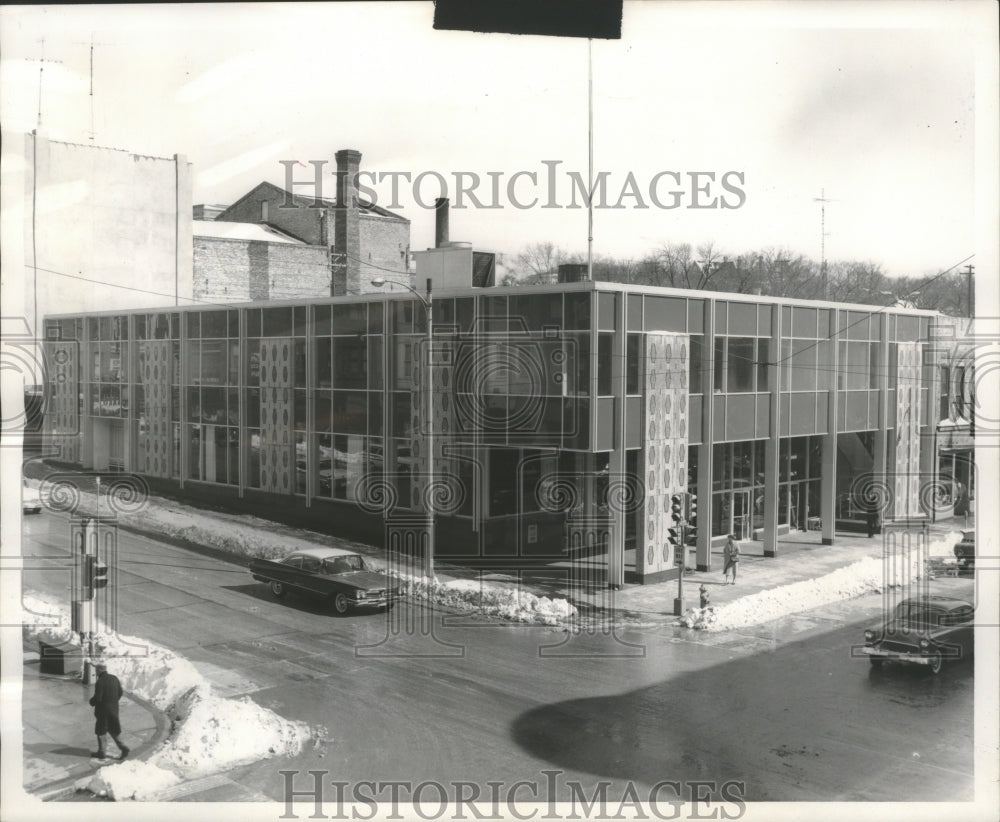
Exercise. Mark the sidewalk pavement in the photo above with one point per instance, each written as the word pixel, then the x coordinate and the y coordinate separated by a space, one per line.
pixel 59 730
pixel 59 722
pixel 800 556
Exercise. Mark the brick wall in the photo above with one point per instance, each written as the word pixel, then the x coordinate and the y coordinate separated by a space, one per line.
pixel 297 271
pixel 221 270
pixel 228 270
pixel 382 240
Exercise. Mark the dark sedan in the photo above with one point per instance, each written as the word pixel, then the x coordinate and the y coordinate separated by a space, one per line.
pixel 338 575
pixel 925 630
pixel 965 550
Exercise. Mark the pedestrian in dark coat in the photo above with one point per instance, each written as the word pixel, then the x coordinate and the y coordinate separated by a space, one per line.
pixel 874 523
pixel 731 557
pixel 107 693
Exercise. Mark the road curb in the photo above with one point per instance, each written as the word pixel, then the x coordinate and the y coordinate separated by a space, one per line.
pixel 67 785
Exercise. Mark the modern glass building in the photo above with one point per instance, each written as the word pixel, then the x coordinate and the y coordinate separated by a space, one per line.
pixel 564 416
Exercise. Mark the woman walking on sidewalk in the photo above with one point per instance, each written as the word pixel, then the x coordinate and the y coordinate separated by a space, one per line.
pixel 731 555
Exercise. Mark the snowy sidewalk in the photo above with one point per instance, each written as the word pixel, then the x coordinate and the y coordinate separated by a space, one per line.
pixel 542 596
pixel 59 724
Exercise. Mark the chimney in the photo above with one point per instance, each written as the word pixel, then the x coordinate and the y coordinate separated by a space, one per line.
pixel 441 222
pixel 347 229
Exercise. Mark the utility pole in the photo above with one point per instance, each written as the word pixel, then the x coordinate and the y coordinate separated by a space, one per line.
pixel 969 270
pixel 41 73
pixel 590 160
pixel 823 200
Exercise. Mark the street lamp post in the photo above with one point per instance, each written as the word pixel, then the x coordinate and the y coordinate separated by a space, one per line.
pixel 428 398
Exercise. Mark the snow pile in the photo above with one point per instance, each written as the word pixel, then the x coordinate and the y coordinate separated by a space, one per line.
pixel 869 575
pixel 492 599
pixel 243 534
pixel 209 733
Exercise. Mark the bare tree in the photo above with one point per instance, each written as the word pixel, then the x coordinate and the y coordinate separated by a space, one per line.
pixel 539 263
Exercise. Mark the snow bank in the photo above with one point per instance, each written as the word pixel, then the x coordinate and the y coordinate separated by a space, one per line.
pixel 209 733
pixel 250 536
pixel 492 599
pixel 866 576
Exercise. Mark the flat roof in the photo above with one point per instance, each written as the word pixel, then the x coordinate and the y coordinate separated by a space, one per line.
pixel 521 290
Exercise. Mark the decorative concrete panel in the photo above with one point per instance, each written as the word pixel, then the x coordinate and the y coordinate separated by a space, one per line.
pixel 62 419
pixel 277 463
pixel 906 486
pixel 153 440
pixel 665 445
pixel 443 426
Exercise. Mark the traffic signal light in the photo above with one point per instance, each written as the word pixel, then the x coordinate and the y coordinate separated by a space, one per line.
pixel 692 517
pixel 677 507
pixel 99 574
pixel 95 574
pixel 674 535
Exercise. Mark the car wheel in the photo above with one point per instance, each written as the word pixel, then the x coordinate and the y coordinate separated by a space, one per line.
pixel 340 604
pixel 277 589
pixel 876 661
pixel 936 662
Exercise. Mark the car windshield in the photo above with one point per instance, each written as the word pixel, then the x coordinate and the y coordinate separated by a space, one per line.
pixel 343 565
pixel 921 613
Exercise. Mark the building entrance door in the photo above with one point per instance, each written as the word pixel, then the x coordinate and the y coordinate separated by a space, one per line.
pixel 796 508
pixel 743 514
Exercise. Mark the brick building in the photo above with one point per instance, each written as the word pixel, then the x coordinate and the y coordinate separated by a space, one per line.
pixel 237 262
pixel 363 240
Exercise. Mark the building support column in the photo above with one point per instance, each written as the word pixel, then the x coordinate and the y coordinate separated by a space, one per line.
pixel 772 448
pixel 703 546
pixel 928 433
pixel 616 467
pixel 881 443
pixel 828 480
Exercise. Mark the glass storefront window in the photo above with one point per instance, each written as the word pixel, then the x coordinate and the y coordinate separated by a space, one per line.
pixel 276 322
pixel 633 345
pixel 803 365
pixel 719 383
pixel 299 364
pixel 194 362
pixel 253 456
pixel 214 362
pixel 350 411
pixel 375 413
pixel 193 405
pixel 324 364
pixel 740 365
pixel 604 364
pixel 349 362
pixel 213 324
pixel 350 318
pixel 301 462
pixel 299 408
pixel 322 411
pixel 763 361
pixel 798 456
pixel 576 306
pixel 213 405
pixel 374 363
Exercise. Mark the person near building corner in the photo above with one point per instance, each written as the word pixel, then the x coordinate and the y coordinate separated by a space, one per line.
pixel 874 523
pixel 731 557
pixel 107 693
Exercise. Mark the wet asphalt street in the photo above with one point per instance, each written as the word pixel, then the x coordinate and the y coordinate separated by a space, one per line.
pixel 784 712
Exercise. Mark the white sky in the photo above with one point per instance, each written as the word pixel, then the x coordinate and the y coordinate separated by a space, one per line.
pixel 872 103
